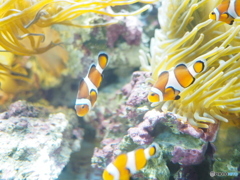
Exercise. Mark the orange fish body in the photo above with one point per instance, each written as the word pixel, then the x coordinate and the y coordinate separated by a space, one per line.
pixel 127 164
pixel 226 12
pixel 88 88
pixel 171 83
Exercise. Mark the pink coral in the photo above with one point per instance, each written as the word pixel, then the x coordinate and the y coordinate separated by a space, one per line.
pixel 136 90
pixel 143 133
pixel 188 156
pixel 130 29
pixel 107 152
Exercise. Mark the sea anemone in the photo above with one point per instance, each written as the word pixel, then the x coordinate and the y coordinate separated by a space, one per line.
pixel 186 35
pixel 26 30
pixel 14 77
pixel 23 22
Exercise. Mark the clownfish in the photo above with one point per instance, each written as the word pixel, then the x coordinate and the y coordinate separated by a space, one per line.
pixel 125 165
pixel 88 88
pixel 227 11
pixel 171 83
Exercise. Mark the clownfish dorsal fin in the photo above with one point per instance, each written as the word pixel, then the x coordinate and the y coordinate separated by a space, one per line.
pixel 169 93
pixel 183 76
pixel 162 81
pixel 93 96
pixel 103 59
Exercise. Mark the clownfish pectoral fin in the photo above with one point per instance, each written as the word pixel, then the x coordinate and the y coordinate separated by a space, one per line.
pixel 224 15
pixel 169 94
pixel 93 96
pixel 103 59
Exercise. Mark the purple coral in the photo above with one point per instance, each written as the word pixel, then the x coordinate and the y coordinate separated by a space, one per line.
pixel 36 141
pixel 22 108
pixel 136 94
pixel 188 156
pixel 108 150
pixel 136 90
pixel 130 29
pixel 142 133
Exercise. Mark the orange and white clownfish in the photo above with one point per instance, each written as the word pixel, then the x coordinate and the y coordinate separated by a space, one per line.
pixel 125 165
pixel 171 83
pixel 227 11
pixel 88 88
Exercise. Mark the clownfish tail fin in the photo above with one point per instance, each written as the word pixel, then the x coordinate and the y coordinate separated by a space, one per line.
pixel 200 65
pixel 103 59
pixel 155 150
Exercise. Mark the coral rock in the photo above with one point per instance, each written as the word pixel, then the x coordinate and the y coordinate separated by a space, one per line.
pixel 143 133
pixel 130 30
pixel 188 156
pixel 34 143
pixel 110 145
pixel 135 89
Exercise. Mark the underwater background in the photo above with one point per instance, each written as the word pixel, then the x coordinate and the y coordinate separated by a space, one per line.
pixel 47 47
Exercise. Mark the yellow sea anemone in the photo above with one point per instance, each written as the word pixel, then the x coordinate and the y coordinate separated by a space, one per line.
pixel 22 22
pixel 186 35
pixel 25 29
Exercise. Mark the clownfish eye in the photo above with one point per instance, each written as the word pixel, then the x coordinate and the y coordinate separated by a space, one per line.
pixel 213 13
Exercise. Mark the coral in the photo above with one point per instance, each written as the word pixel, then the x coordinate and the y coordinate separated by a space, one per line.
pixel 145 132
pixel 177 148
pixel 130 29
pixel 181 142
pixel 106 153
pixel 36 141
pixel 186 172
pixel 113 114
pixel 188 156
pixel 134 91
pixel 187 36
pixel 227 143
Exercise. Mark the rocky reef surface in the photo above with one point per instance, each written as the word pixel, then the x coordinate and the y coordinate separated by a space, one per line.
pixel 186 151
pixel 36 141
